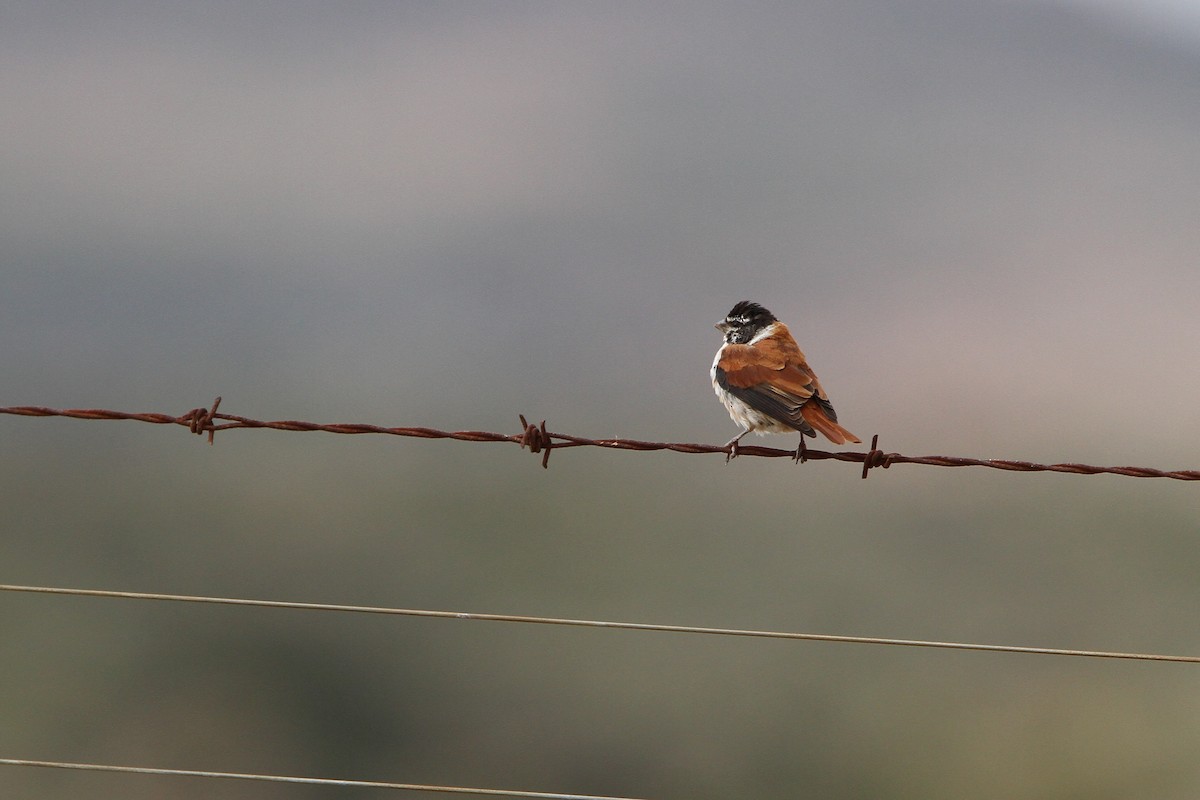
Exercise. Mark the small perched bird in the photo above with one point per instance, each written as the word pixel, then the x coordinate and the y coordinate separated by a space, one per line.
pixel 762 378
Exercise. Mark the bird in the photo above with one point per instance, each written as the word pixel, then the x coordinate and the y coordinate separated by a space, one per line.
pixel 761 376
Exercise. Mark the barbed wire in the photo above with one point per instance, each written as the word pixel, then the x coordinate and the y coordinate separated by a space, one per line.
pixel 538 440
pixel 243 776
pixel 591 623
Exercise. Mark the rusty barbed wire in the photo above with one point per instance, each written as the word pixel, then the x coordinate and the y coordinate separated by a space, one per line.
pixel 537 439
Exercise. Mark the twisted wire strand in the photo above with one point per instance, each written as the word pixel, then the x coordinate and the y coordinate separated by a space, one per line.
pixel 538 440
pixel 590 623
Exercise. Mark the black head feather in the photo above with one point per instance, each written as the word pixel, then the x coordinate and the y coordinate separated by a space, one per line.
pixel 750 311
pixel 745 320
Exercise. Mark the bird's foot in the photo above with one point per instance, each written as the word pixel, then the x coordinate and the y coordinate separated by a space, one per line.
pixel 801 452
pixel 731 447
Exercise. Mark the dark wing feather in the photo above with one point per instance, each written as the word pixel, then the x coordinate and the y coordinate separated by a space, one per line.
pixel 763 397
pixel 774 378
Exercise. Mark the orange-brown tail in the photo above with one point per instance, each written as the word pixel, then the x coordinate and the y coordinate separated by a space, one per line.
pixel 814 415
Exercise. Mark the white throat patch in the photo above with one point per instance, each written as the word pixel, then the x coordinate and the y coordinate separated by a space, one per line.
pixel 764 333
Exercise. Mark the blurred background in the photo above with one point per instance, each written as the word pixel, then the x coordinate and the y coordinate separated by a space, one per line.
pixel 980 221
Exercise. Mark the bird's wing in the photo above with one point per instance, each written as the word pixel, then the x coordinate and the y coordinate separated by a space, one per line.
pixel 769 381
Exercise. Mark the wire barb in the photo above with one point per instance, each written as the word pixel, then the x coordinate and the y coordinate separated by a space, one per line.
pixel 200 420
pixel 876 457
pixel 538 440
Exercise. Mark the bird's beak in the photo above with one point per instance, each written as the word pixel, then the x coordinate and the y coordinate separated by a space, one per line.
pixel 722 326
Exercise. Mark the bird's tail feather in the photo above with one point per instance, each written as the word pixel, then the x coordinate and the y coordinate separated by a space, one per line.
pixel 815 416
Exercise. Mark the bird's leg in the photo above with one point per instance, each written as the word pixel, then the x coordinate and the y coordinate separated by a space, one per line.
pixel 801 452
pixel 731 447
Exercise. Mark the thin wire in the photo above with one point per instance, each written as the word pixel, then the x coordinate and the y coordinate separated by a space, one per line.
pixel 589 623
pixel 539 440
pixel 191 773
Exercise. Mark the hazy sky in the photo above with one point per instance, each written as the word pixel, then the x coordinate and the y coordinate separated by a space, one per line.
pixel 1175 18
pixel 528 189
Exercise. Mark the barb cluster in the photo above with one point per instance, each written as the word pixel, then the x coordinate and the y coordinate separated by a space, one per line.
pixel 538 440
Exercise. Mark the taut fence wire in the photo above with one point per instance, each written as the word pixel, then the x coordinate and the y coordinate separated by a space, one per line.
pixel 244 776
pixel 208 421
pixel 592 623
